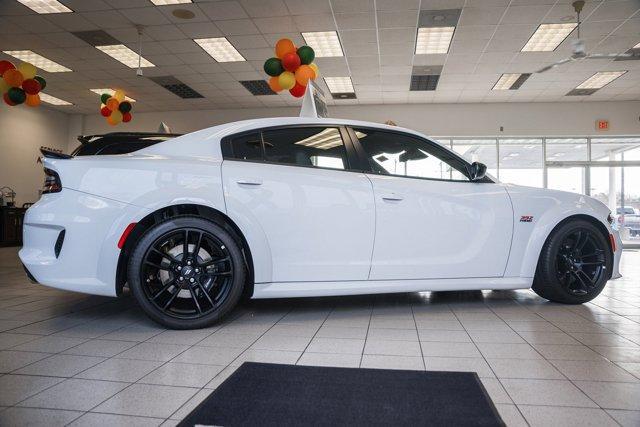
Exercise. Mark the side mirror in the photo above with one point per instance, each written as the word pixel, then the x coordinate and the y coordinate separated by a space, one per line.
pixel 477 171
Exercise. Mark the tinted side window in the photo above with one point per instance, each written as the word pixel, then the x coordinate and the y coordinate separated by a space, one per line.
pixel 391 153
pixel 247 147
pixel 306 146
pixel 125 147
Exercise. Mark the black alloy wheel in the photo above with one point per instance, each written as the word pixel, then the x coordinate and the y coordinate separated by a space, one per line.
pixel 575 263
pixel 186 272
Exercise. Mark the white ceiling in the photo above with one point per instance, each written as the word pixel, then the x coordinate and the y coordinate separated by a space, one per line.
pixel 378 38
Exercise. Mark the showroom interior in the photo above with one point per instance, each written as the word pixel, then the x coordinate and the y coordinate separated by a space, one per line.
pixel 544 96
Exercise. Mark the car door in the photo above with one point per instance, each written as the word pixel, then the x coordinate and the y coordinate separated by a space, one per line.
pixel 293 186
pixel 431 220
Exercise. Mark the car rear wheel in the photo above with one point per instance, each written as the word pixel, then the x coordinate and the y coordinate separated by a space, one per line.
pixel 574 265
pixel 186 272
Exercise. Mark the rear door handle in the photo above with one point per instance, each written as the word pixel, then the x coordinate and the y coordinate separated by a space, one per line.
pixel 392 197
pixel 249 181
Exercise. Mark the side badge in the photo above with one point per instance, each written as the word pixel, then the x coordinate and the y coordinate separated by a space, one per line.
pixel 526 218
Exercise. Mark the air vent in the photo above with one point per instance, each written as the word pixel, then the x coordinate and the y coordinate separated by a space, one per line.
pixel 425 77
pixel 439 18
pixel 634 52
pixel 348 95
pixel 581 92
pixel 175 86
pixel 257 87
pixel 96 38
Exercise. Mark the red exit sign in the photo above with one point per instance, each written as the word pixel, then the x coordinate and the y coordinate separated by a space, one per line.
pixel 602 125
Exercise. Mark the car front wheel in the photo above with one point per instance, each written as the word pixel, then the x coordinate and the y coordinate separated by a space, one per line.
pixel 574 265
pixel 186 272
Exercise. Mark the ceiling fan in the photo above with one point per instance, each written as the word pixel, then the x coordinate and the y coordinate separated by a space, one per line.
pixel 579 49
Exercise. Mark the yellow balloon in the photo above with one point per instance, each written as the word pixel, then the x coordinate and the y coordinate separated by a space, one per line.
pixel 116 116
pixel 315 69
pixel 3 87
pixel 111 121
pixel 28 70
pixel 119 95
pixel 287 80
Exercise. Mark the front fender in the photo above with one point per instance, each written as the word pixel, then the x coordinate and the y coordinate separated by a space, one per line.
pixel 547 208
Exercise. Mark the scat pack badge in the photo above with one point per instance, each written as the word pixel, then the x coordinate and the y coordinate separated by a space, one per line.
pixel 526 218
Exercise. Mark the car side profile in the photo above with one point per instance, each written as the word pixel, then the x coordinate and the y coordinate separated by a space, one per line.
pixel 305 207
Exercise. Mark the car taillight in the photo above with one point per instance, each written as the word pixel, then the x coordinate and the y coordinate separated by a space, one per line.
pixel 52 183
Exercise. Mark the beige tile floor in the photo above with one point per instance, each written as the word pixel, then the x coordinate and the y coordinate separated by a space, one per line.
pixel 67 358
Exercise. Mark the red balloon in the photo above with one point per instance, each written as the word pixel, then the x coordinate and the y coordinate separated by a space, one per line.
pixel 105 111
pixel 31 86
pixel 298 90
pixel 4 66
pixel 126 117
pixel 7 100
pixel 291 61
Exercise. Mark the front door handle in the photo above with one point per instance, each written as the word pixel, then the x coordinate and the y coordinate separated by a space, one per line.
pixel 249 181
pixel 392 197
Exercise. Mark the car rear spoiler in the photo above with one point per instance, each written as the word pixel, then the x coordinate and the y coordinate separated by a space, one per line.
pixel 52 154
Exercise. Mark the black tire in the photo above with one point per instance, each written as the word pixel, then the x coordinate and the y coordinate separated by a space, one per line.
pixel 567 272
pixel 197 295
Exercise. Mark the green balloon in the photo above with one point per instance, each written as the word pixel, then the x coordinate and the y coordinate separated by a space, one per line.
pixel 124 107
pixel 104 98
pixel 306 54
pixel 42 81
pixel 16 95
pixel 273 67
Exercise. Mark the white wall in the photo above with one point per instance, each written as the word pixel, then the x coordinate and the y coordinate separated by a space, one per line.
pixel 567 118
pixel 23 130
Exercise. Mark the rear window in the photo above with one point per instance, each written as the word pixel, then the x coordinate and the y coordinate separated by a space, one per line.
pixel 116 145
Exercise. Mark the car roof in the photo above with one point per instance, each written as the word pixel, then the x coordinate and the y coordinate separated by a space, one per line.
pixel 191 143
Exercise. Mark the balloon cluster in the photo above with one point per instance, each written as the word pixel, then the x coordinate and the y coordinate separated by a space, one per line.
pixel 292 68
pixel 115 108
pixel 20 84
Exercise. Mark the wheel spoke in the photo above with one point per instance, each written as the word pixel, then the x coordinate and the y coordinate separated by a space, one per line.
pixel 214 261
pixel 206 294
pixel 185 244
pixel 195 299
pixel 164 255
pixel 167 286
pixel 173 296
pixel 158 266
pixel 196 249
pixel 585 279
pixel 593 263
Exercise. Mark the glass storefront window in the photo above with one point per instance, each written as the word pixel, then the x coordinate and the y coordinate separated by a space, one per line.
pixel 608 149
pixel 479 150
pixel 567 149
pixel 521 161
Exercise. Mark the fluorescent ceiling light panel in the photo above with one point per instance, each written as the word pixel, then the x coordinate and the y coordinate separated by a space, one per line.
pixel 165 2
pixel 636 46
pixel 110 92
pixel 37 60
pixel 433 40
pixel 600 79
pixel 52 99
pixel 46 6
pixel 548 36
pixel 220 49
pixel 339 84
pixel 324 43
pixel 505 81
pixel 121 53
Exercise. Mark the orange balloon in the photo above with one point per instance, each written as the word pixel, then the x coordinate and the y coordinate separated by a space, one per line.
pixel 111 121
pixel 13 77
pixel 274 84
pixel 32 100
pixel 284 46
pixel 315 70
pixel 112 104
pixel 303 74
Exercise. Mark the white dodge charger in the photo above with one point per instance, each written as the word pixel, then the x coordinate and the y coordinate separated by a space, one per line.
pixel 300 207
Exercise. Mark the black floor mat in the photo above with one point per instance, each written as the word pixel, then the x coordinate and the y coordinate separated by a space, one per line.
pixel 261 394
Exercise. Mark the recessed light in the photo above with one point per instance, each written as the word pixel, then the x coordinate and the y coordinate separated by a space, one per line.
pixel 433 40
pixel 46 6
pixel 121 53
pixel 325 43
pixel 600 79
pixel 110 92
pixel 38 61
pixel 165 2
pixel 220 49
pixel 510 81
pixel 52 99
pixel 548 36
pixel 339 84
